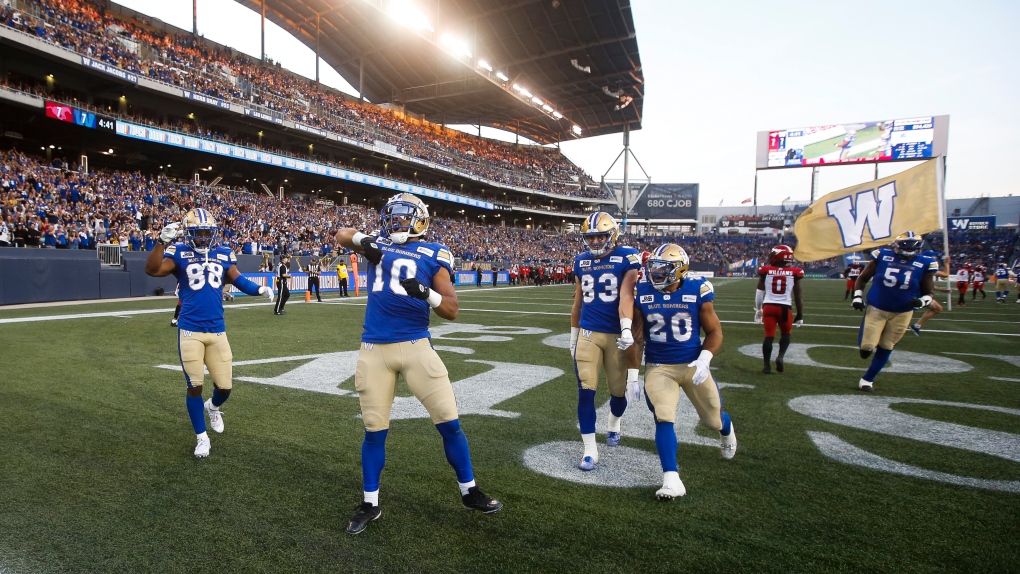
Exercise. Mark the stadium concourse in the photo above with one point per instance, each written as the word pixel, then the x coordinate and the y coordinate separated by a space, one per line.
pixel 187 62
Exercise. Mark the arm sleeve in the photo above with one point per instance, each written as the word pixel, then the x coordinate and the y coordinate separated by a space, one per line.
pixel 247 287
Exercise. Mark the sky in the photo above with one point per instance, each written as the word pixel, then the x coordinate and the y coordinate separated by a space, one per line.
pixel 716 73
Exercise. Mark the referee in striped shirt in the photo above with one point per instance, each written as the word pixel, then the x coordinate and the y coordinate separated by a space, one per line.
pixel 282 283
pixel 313 278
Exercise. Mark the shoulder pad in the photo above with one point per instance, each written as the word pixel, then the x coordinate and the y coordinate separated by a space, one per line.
pixel 706 287
pixel 445 256
pixel 170 250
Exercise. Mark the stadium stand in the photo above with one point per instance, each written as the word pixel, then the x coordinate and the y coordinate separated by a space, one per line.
pixel 185 62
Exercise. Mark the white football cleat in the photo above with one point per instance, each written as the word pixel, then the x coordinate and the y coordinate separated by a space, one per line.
pixel 728 443
pixel 866 386
pixel 588 461
pixel 215 417
pixel 202 448
pixel 672 487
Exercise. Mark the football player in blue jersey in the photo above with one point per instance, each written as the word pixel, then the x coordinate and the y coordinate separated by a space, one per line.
pixel 201 267
pixel 1001 282
pixel 671 310
pixel 407 279
pixel 904 282
pixel 598 333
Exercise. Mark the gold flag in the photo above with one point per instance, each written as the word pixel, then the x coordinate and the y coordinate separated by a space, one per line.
pixel 871 214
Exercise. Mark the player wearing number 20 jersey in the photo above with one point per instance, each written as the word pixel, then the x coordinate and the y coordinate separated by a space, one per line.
pixel 201 267
pixel 601 274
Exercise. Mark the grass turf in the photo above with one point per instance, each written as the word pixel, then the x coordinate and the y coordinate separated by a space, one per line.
pixel 98 473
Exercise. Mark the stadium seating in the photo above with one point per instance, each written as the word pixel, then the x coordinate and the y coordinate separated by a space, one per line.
pixel 185 62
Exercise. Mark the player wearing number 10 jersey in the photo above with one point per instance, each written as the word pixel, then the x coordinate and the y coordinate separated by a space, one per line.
pixel 201 267
pixel 601 274
pixel 904 281
pixel 778 287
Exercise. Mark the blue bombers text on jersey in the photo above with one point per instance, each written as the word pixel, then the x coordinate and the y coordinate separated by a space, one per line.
pixel 897 280
pixel 671 326
pixel 200 280
pixel 392 316
pixel 601 279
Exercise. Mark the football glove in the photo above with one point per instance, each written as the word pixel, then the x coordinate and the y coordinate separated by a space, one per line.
pixel 798 321
pixel 372 252
pixel 268 292
pixel 633 387
pixel 858 301
pixel 415 289
pixel 170 233
pixel 625 340
pixel 757 316
pixel 921 302
pixel 700 365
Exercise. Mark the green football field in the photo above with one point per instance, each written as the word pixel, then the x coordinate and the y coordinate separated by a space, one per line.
pixel 98 475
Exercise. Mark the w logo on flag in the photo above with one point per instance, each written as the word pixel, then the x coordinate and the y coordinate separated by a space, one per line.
pixel 874 210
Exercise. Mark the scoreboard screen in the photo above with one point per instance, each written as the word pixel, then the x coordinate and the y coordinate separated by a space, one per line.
pixel 882 140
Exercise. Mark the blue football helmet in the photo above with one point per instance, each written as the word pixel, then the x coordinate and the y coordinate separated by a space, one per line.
pixel 201 231
pixel 404 216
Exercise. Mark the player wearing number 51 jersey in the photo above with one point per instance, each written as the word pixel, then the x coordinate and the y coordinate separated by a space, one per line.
pixel 201 267
pixel 670 312
pixel 407 279
pixel 778 289
pixel 904 281
pixel 601 274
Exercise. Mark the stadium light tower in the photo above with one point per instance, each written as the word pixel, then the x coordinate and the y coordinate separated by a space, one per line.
pixel 625 200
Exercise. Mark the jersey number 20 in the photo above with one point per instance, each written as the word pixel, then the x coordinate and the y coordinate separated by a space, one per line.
pixel 680 324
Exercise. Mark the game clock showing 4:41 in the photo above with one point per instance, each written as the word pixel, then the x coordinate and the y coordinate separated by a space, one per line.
pixel 106 124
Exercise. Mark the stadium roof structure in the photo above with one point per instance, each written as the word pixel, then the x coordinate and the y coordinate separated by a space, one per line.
pixel 509 64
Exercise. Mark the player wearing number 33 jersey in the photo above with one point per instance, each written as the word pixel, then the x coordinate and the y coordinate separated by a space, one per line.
pixel 671 310
pixel 597 334
pixel 904 281
pixel 407 279
pixel 201 267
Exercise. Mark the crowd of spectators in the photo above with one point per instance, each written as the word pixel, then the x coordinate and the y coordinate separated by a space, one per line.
pixel 193 64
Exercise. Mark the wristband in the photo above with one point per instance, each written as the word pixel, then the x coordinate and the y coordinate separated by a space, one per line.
pixel 705 356
pixel 358 237
pixel 858 293
pixel 632 375
pixel 625 323
pixel 574 333
pixel 435 299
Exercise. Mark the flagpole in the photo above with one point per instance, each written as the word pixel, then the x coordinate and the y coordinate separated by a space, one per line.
pixel 943 210
pixel 756 192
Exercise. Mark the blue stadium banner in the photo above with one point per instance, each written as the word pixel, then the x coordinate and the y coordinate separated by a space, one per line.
pixel 137 131
pixel 205 99
pixel 971 223
pixel 263 116
pixel 105 68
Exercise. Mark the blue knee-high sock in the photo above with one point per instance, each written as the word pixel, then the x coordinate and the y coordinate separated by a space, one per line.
pixel 220 396
pixel 617 405
pixel 455 444
pixel 196 412
pixel 877 363
pixel 586 410
pixel 726 424
pixel 665 443
pixel 373 458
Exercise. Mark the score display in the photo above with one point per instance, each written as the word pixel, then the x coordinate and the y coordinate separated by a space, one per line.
pixel 883 140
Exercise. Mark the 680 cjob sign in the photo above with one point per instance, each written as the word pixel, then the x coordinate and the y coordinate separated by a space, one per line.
pixel 667 201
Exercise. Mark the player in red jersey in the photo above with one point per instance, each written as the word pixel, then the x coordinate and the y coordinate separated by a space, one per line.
pixel 962 278
pixel 977 282
pixel 851 273
pixel 778 287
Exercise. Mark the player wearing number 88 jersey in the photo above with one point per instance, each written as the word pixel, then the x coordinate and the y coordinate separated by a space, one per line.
pixel 598 333
pixel 201 267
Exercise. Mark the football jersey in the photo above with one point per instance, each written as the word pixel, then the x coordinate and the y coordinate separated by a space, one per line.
pixel 1001 273
pixel 601 279
pixel 392 316
pixel 779 283
pixel 897 280
pixel 671 327
pixel 200 281
pixel 963 276
pixel 854 271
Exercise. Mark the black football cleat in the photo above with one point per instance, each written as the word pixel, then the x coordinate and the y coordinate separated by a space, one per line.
pixel 366 513
pixel 779 365
pixel 475 499
pixel 766 370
